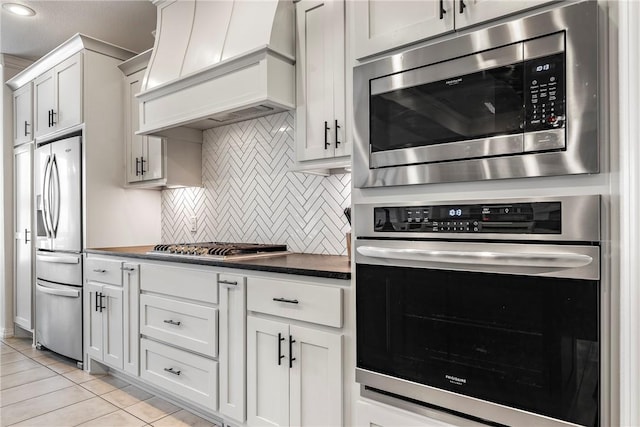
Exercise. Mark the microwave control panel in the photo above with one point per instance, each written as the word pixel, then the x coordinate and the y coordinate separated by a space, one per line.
pixel 544 88
pixel 516 218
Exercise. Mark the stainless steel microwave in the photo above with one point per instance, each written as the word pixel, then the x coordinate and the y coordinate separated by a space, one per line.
pixel 519 99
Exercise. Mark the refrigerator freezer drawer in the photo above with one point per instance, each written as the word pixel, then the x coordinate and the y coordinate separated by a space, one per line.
pixel 59 268
pixel 59 318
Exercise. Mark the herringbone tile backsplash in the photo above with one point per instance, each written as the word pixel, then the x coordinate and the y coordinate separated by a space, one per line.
pixel 250 196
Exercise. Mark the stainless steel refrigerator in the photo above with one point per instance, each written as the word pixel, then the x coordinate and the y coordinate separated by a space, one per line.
pixel 58 192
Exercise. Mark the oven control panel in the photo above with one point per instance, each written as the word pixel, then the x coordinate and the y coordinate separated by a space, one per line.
pixel 515 218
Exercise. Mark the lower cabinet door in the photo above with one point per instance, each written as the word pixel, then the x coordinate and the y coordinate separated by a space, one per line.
pixel 93 320
pixel 267 372
pixel 316 377
pixel 112 326
pixel 182 373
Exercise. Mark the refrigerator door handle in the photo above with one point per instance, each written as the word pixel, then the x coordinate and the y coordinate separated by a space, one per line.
pixel 56 199
pixel 45 197
pixel 59 292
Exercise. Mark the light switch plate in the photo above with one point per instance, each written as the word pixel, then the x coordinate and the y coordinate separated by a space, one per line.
pixel 193 224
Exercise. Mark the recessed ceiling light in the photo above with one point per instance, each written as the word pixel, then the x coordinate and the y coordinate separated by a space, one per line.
pixel 18 9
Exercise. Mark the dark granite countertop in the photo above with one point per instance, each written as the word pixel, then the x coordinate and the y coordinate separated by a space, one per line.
pixel 329 266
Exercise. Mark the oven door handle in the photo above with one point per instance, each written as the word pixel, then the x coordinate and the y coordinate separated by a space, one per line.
pixel 516 259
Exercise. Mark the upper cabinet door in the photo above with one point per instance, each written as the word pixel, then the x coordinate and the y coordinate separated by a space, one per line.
pixel 68 81
pixel 133 142
pixel 382 25
pixel 471 12
pixel 320 80
pixel 23 115
pixel 58 97
pixel 44 100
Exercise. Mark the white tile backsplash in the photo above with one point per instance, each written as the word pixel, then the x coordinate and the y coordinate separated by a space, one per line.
pixel 249 195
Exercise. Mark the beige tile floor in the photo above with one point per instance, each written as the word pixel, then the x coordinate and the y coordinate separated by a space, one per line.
pixel 40 388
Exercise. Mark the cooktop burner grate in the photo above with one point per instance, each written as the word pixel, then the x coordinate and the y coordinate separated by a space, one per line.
pixel 219 250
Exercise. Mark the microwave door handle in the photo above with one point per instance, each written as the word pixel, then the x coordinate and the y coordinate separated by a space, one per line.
pixel 488 258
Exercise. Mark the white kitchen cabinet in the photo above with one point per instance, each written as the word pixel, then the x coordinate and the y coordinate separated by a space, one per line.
pixel 179 330
pixel 23 114
pixel 106 333
pixel 185 374
pixel 294 375
pixel 320 80
pixel 144 153
pixel 58 97
pixel 131 307
pixel 156 161
pixel 384 25
pixel 23 247
pixel 232 353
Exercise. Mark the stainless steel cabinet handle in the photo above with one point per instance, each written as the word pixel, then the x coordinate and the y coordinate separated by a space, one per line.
pixel 288 301
pixel 228 282
pixel 26 233
pixel 26 125
pixel 128 269
pixel 171 371
pixel 99 270
pixel 172 322
pixel 53 114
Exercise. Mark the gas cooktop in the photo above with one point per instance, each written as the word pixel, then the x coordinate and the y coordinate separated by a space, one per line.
pixel 219 251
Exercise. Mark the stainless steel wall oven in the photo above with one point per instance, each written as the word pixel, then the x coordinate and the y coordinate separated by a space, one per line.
pixel 518 99
pixel 489 310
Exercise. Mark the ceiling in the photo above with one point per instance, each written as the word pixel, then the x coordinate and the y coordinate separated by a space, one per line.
pixel 125 23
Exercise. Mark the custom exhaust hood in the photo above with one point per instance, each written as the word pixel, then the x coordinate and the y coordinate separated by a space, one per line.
pixel 218 62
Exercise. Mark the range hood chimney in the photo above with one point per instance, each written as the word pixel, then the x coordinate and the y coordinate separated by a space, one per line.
pixel 218 62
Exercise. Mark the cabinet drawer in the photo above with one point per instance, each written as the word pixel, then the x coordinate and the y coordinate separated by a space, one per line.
pixel 103 270
pixel 182 373
pixel 191 283
pixel 295 300
pixel 192 326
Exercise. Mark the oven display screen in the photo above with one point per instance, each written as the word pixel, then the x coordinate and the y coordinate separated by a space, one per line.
pixel 517 218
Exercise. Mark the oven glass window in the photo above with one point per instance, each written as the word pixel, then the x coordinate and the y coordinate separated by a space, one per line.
pixel 526 342
pixel 478 105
